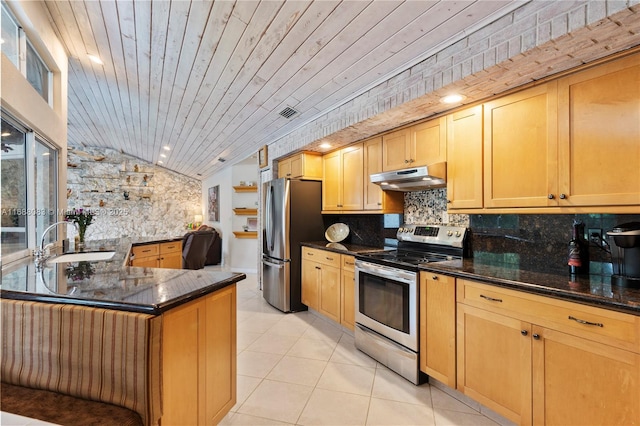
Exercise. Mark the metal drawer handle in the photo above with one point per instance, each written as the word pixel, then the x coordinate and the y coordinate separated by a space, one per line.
pixel 349 263
pixel 317 267
pixel 491 299
pixel 597 324
pixel 329 258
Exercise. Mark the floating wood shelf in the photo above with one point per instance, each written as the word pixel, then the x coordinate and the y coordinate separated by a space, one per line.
pixel 246 234
pixel 245 212
pixel 245 188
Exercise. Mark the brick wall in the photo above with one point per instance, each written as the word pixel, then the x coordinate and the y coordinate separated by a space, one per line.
pixel 537 40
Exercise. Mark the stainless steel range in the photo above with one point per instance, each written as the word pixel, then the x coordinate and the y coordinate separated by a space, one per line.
pixel 387 294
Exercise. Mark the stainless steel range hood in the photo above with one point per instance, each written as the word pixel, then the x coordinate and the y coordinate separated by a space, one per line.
pixel 413 179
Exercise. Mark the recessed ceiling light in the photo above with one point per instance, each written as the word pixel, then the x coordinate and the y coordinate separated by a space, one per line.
pixel 452 99
pixel 160 162
pixel 5 134
pixel 166 147
pixel 95 59
pixel 325 145
pixel 163 156
pixel 45 153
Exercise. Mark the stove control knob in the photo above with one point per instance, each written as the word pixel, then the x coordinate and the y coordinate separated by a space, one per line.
pixel 457 233
pixel 449 233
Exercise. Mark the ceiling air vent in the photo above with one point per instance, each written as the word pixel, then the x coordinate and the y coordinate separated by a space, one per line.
pixel 288 112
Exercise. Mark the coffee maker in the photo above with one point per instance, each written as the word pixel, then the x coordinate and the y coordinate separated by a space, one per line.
pixel 624 241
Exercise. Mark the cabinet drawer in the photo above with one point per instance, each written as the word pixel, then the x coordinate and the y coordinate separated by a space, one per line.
pixel 321 256
pixel 598 324
pixel 145 250
pixel 172 247
pixel 348 263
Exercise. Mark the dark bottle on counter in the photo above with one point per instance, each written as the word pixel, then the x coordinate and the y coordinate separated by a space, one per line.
pixel 578 251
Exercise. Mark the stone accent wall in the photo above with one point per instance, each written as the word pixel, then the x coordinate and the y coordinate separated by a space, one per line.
pixel 160 208
pixel 430 207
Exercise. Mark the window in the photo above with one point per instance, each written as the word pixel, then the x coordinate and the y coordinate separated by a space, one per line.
pixel 10 37
pixel 17 47
pixel 14 189
pixel 37 73
pixel 29 189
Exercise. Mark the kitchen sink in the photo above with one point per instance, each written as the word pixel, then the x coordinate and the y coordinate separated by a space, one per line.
pixel 82 256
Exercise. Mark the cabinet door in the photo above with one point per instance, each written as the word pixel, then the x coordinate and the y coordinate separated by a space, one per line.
pixel 494 362
pixel 520 156
pixel 395 150
pixel 579 382
pixel 599 134
pixel 221 355
pixel 329 298
pixel 284 168
pixel 438 327
pixel 428 142
pixel 348 302
pixel 171 255
pixel 464 159
pixel 146 262
pixel 352 178
pixel 372 153
pixel 311 276
pixel 332 184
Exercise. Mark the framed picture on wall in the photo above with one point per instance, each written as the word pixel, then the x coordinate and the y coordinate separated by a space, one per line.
pixel 214 203
pixel 262 157
pixel 252 224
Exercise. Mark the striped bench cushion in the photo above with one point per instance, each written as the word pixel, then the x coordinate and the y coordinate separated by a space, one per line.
pixel 91 353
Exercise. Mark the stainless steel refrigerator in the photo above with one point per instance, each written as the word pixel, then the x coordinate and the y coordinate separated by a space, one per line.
pixel 291 214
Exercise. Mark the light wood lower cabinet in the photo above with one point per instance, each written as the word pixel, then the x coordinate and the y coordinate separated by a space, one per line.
pixel 540 360
pixel 348 292
pixel 326 282
pixel 438 327
pixel 199 360
pixel 160 255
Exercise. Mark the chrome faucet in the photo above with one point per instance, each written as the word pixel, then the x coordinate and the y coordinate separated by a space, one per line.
pixel 39 252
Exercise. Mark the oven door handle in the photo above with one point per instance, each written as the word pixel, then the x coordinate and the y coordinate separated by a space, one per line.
pixel 387 340
pixel 401 275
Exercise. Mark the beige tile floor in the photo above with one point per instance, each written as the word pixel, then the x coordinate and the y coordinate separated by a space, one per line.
pixel 301 369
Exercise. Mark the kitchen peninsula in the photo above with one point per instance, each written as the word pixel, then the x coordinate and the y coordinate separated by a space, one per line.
pixel 160 342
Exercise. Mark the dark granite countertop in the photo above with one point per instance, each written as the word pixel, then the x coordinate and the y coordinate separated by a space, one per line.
pixel 344 248
pixel 111 284
pixel 593 289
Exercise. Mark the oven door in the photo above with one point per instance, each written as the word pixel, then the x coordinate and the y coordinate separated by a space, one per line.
pixel 386 302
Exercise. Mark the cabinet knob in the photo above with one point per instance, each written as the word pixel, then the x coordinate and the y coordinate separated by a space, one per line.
pixel 406 161
pixel 536 336
pixel 435 278
pixel 524 332
pixel 379 204
pixel 551 196
pixel 449 201
pixel 563 196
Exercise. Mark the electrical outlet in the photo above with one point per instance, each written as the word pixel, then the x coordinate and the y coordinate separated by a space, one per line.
pixel 594 234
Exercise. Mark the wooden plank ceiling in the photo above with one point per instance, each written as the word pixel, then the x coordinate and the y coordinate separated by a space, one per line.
pixel 208 79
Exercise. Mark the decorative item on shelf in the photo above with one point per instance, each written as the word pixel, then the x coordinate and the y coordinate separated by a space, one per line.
pixel 80 271
pixel 126 195
pixel 243 183
pixel 135 168
pixel 83 219
pixel 252 224
pixel 262 157
pixel 197 219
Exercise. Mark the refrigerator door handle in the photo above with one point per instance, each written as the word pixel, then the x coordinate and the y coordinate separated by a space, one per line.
pixel 275 265
pixel 268 219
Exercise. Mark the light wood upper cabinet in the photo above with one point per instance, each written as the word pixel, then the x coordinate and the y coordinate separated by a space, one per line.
pixel 599 135
pixel 429 142
pixel 419 145
pixel 520 149
pixel 304 165
pixel 464 159
pixel 374 197
pixel 342 189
